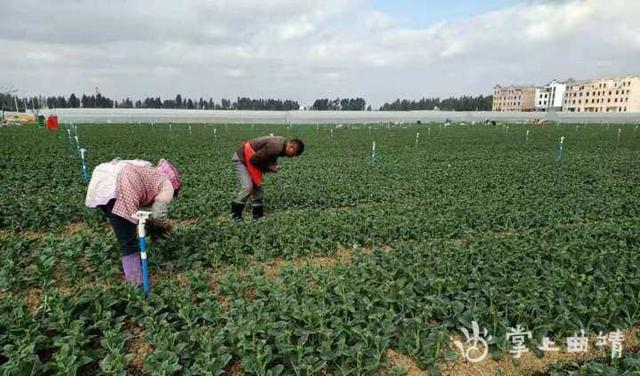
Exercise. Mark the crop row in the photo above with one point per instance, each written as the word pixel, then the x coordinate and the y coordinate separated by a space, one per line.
pixel 341 318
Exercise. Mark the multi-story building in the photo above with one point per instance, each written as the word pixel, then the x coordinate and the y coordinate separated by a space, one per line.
pixel 514 98
pixel 620 94
pixel 550 97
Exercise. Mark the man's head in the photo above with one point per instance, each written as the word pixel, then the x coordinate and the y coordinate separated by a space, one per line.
pixel 293 148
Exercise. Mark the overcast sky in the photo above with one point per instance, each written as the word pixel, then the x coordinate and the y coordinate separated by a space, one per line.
pixel 305 49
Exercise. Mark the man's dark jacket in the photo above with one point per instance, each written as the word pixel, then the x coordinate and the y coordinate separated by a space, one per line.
pixel 267 150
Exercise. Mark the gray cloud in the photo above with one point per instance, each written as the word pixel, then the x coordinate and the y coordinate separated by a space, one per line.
pixel 305 49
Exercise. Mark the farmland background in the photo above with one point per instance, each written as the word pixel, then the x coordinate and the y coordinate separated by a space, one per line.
pixel 355 258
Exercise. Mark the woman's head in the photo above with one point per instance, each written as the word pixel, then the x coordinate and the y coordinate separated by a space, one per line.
pixel 169 171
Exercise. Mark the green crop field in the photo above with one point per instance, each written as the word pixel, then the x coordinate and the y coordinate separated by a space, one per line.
pixel 356 259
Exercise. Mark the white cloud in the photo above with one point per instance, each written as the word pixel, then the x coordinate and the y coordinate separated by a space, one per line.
pixel 376 20
pixel 296 29
pixel 305 49
pixel 236 72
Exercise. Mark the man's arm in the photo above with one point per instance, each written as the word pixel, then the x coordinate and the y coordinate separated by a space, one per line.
pixel 265 158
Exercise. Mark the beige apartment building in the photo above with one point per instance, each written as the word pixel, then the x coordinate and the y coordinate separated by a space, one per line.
pixel 621 94
pixel 514 98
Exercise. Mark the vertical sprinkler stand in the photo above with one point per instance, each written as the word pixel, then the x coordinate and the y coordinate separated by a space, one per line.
pixel 142 217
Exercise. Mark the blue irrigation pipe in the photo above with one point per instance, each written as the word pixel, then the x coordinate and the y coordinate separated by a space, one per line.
pixel 142 217
pixel 85 175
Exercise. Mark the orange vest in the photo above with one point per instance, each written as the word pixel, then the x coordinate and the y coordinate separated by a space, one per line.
pixel 254 172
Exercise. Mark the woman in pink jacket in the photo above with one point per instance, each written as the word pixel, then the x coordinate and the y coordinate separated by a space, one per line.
pixel 122 188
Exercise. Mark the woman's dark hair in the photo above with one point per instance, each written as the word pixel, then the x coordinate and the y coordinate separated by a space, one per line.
pixel 299 145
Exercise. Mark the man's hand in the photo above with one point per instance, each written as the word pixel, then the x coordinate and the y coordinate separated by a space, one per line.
pixel 274 168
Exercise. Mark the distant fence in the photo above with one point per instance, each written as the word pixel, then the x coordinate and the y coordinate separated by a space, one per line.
pixel 116 115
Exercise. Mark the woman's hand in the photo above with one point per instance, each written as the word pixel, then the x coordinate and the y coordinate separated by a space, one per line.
pixel 159 229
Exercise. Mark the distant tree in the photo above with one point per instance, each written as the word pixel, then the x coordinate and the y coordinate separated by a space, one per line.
pixel 320 105
pixel 339 104
pixel 464 103
pixel 98 100
pixel 61 102
pixel 125 103
pixel 73 101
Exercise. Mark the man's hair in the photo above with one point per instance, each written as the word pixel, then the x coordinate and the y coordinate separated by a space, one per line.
pixel 299 145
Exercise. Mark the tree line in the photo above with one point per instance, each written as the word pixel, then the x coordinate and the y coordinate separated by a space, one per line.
pixel 8 103
pixel 338 104
pixel 464 103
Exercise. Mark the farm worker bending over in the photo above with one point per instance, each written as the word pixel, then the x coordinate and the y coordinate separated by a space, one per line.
pixel 121 188
pixel 251 160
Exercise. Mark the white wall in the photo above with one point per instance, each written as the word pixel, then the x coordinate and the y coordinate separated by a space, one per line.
pixel 108 115
pixel 541 101
pixel 558 99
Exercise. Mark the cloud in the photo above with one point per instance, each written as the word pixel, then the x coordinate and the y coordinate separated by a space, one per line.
pixel 376 20
pixel 305 49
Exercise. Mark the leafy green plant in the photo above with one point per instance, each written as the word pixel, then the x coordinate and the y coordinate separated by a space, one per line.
pixel 472 225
